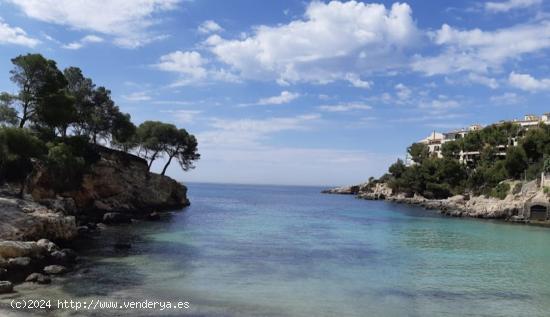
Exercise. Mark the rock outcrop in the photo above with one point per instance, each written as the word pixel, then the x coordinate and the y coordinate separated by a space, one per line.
pixel 375 191
pixel 117 182
pixel 22 260
pixel 23 219
pixel 343 190
pixel 510 207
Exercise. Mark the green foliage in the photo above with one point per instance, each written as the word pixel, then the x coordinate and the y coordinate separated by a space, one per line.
pixel 153 137
pixel 500 191
pixel 534 170
pixel 123 132
pixel 157 139
pixel 546 164
pixel 8 114
pixel 40 83
pixel 418 152
pixel 184 148
pixel 440 178
pixel 451 150
pixel 515 162
pixel 65 167
pixel 397 169
pixel 18 149
pixel 472 141
pixel 536 143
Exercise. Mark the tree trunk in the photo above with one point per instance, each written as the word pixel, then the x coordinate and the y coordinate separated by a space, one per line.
pixel 166 165
pixel 25 115
pixel 22 122
pixel 153 157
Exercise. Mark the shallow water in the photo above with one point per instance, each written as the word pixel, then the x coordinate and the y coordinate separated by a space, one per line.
pixel 290 251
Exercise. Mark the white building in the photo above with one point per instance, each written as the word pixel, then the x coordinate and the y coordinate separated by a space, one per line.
pixel 436 139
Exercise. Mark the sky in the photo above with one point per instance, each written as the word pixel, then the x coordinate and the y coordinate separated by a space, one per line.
pixel 296 92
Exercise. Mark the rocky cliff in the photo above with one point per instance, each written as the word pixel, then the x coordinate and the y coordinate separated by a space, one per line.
pixel 118 182
pixel 511 207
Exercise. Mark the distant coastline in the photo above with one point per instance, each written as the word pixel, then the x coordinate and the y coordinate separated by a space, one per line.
pixel 501 171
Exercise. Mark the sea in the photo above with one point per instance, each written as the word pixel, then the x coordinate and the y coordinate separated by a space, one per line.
pixel 257 250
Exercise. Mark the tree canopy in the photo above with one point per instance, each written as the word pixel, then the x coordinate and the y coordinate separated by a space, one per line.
pixel 56 117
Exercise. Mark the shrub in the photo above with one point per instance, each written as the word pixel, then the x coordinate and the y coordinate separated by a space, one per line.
pixel 65 168
pixel 500 191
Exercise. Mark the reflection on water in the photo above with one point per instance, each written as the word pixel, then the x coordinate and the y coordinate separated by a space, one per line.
pixel 289 251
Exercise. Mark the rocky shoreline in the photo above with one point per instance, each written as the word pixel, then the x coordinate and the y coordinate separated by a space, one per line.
pixel 510 208
pixel 37 229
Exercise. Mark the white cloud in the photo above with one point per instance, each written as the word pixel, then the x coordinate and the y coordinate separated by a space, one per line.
pixel 192 68
pixel 508 98
pixel 284 97
pixel 528 82
pixel 15 35
pixel 345 107
pixel 505 6
pixel 332 41
pixel 249 132
pixel 356 81
pixel 483 80
pixel 83 41
pixel 403 92
pixel 208 27
pixel 128 21
pixel 440 105
pixel 480 51
pixel 188 63
pixel 183 116
pixel 137 96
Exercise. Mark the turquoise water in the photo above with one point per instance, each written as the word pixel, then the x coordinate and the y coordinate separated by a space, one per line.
pixel 290 251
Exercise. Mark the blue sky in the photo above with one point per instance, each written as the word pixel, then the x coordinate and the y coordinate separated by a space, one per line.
pixel 297 92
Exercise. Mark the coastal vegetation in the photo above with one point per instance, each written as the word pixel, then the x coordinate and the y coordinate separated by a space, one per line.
pixel 504 151
pixel 58 120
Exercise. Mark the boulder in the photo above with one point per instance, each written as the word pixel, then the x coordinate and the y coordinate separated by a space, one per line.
pixel 47 244
pixel 19 268
pixel 19 263
pixel 62 257
pixel 343 190
pixel 116 217
pixel 38 278
pixel 60 204
pixel 26 220
pixel 55 269
pixel 6 287
pixel 14 249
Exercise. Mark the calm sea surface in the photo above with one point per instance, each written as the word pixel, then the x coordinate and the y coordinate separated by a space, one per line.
pixel 290 251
